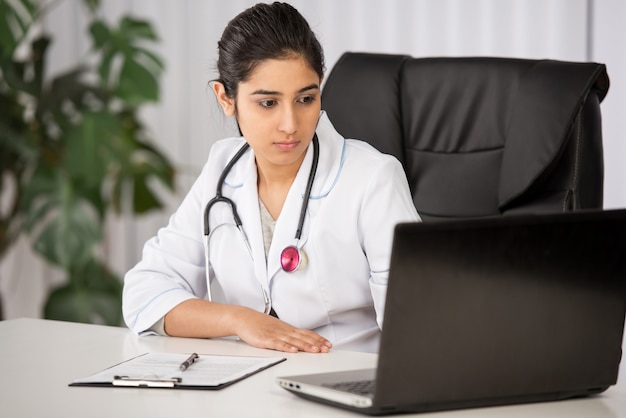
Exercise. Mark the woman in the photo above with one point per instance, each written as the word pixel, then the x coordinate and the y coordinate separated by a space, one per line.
pixel 306 267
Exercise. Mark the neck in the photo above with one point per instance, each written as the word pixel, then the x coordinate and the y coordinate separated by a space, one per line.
pixel 276 177
pixel 273 185
pixel 272 175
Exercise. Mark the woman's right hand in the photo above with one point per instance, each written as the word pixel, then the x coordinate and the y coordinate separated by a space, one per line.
pixel 198 318
pixel 265 331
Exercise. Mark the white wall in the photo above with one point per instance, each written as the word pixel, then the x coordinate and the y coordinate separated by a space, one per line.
pixel 184 122
pixel 608 19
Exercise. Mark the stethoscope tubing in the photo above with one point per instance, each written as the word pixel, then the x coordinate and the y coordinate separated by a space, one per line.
pixel 219 198
pixel 218 192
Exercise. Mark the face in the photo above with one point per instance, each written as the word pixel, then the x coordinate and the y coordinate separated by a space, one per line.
pixel 277 109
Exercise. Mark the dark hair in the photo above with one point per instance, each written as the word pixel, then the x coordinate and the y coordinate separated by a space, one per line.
pixel 262 32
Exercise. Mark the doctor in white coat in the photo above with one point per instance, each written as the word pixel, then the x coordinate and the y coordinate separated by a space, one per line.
pixel 306 268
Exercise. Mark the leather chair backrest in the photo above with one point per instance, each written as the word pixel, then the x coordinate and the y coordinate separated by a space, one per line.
pixel 478 136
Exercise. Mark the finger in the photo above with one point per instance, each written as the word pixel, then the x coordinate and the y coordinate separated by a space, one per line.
pixel 284 346
pixel 307 341
pixel 316 340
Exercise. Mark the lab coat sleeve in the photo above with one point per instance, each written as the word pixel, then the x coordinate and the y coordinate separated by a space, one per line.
pixel 172 267
pixel 387 202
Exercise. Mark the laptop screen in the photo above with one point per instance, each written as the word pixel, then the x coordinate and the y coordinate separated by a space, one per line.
pixel 504 308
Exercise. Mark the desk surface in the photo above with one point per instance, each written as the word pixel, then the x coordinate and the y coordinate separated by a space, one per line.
pixel 38 358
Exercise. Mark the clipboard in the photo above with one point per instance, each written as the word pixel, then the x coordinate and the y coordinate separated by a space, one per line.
pixel 162 370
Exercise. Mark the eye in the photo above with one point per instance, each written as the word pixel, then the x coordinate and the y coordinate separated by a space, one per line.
pixel 267 104
pixel 306 99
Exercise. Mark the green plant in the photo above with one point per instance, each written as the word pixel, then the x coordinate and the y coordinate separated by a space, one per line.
pixel 73 151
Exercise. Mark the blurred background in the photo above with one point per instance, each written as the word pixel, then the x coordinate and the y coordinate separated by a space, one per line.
pixel 184 121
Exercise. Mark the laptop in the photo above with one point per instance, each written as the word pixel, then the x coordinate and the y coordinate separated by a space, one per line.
pixel 496 311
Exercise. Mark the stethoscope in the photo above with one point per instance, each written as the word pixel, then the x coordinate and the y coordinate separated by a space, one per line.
pixel 292 257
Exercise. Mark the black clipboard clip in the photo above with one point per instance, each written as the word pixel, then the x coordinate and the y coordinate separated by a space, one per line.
pixel 146 382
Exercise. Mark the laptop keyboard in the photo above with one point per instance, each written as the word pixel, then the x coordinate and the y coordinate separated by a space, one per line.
pixel 357 387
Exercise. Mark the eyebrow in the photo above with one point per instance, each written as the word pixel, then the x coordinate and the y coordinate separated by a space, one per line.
pixel 277 93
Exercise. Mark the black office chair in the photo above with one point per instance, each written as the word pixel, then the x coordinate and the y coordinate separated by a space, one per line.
pixel 477 136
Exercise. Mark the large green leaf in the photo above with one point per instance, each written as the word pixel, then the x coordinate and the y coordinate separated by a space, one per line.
pixel 15 18
pixel 122 48
pixel 65 227
pixel 137 169
pixel 25 76
pixel 67 96
pixel 137 83
pixel 69 237
pixel 13 143
pixel 137 29
pixel 92 295
pixel 100 33
pixel 145 167
pixel 42 183
pixel 86 149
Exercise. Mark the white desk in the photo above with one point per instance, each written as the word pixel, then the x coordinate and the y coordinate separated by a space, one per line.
pixel 38 358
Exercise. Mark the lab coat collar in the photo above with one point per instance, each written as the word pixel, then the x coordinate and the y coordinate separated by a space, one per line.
pixel 332 146
pixel 244 175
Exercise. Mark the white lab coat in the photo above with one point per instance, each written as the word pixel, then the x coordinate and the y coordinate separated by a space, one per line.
pixel 358 196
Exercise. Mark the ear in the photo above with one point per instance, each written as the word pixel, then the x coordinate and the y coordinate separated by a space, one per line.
pixel 228 104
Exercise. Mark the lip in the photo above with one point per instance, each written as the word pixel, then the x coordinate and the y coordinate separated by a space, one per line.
pixel 287 145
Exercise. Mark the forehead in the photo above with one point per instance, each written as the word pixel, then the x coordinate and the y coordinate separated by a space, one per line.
pixel 281 75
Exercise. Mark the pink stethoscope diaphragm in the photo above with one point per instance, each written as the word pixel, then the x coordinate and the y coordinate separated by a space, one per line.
pixel 291 258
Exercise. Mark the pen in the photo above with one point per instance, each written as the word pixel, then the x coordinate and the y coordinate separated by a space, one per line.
pixel 185 364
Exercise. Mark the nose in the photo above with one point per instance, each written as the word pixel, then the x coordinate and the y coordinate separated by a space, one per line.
pixel 288 120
